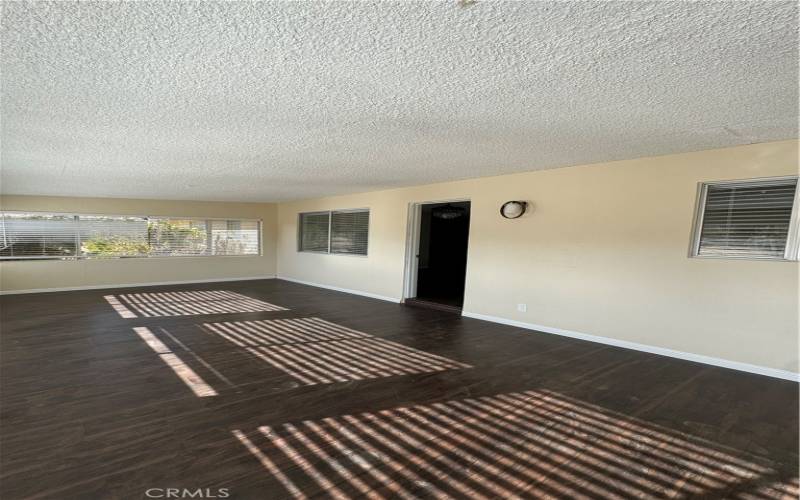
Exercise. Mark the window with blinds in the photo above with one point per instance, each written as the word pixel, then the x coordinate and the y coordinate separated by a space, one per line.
pixel 109 236
pixel 176 237
pixel 38 236
pixel 350 232
pixel 337 232
pixel 314 231
pixel 54 236
pixel 234 237
pixel 748 219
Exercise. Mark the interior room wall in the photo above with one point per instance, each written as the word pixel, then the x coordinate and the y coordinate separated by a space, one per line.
pixel 603 252
pixel 49 274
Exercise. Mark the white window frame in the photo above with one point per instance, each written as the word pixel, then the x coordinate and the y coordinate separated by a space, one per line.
pixel 792 250
pixel 330 223
pixel 76 217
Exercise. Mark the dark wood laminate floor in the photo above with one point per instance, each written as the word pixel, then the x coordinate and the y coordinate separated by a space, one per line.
pixel 109 393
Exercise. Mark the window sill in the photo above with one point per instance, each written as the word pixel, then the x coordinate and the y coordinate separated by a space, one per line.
pixel 736 257
pixel 335 254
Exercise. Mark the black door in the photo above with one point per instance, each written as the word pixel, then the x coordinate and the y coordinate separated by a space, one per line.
pixel 442 263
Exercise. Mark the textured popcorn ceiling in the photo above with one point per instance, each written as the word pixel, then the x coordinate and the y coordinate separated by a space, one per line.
pixel 274 101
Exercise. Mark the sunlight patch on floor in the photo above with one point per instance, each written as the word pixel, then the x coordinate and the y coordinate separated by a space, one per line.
pixel 315 351
pixel 182 370
pixel 158 304
pixel 530 444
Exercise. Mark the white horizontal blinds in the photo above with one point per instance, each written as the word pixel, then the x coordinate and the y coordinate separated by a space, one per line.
pixel 747 219
pixel 350 232
pixel 234 237
pixel 49 236
pixel 173 236
pixel 32 236
pixel 178 237
pixel 314 232
pixel 113 236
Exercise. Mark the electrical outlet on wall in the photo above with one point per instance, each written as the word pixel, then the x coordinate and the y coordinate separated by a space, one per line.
pixel 522 308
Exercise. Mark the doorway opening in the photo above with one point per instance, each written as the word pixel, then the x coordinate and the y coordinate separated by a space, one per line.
pixel 438 242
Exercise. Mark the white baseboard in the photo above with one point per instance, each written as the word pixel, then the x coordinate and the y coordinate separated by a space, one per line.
pixel 724 363
pixel 709 360
pixel 345 290
pixel 130 285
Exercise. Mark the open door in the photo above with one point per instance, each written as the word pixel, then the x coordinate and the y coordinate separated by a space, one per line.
pixel 438 249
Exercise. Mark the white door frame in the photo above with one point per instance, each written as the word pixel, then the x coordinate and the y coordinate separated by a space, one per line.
pixel 412 244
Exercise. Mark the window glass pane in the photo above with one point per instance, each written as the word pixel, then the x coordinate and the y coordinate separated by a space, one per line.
pixel 169 237
pixel 314 232
pixel 349 232
pixel 109 236
pixel 747 219
pixel 234 237
pixel 31 235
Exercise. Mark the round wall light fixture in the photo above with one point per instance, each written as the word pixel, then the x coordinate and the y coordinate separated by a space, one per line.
pixel 513 209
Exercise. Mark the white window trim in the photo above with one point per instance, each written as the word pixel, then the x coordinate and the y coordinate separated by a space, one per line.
pixel 182 217
pixel 792 251
pixel 330 223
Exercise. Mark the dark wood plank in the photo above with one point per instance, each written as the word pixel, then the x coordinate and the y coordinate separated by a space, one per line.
pixel 90 410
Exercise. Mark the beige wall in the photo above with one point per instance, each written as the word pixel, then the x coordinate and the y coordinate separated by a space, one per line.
pixel 604 252
pixel 26 275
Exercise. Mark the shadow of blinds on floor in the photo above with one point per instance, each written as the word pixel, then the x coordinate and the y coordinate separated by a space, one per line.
pixel 527 444
pixel 315 351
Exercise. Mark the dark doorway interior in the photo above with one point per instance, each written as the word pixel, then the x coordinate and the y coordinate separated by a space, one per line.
pixel 442 264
